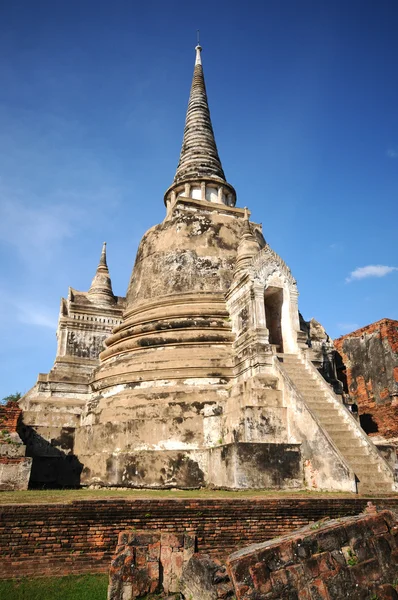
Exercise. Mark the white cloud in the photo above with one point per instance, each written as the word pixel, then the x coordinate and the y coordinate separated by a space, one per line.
pixel 392 153
pixel 33 315
pixel 40 227
pixel 347 327
pixel 336 247
pixel 18 310
pixel 370 271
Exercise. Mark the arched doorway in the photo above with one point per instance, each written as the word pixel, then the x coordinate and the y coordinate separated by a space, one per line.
pixel 273 300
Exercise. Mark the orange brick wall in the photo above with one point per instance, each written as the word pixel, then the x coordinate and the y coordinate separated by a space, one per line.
pixel 370 356
pixel 80 537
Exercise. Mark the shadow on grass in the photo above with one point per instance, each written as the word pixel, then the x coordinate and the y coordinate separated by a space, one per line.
pixel 72 587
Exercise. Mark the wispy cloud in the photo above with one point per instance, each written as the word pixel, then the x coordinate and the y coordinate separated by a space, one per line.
pixel 392 153
pixel 347 327
pixel 34 315
pixel 19 310
pixel 38 228
pixel 336 247
pixel 370 271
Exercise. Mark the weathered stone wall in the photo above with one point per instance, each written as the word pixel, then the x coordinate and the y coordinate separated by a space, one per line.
pixel 80 537
pixel 14 465
pixel 370 356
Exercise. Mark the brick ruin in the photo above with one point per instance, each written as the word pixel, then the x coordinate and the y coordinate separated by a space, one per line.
pixel 204 375
pixel 146 562
pixel 14 465
pixel 81 536
pixel 370 371
pixel 355 557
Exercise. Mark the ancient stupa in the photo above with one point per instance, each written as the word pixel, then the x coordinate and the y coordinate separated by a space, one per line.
pixel 206 377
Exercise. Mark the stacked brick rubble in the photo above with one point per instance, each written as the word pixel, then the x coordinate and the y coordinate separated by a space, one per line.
pixel 147 562
pixel 14 465
pixel 370 356
pixel 354 558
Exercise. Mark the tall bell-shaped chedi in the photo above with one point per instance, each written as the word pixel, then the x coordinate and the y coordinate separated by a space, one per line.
pixel 168 365
pixel 207 379
pixel 191 390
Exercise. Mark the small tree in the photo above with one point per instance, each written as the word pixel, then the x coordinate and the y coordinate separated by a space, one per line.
pixel 11 398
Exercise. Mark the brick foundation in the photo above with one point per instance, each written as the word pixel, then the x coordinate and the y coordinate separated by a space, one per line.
pixel 81 537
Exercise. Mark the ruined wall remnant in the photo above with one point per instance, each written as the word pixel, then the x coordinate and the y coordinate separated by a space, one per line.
pixel 355 557
pixel 370 356
pixel 146 562
pixel 86 531
pixel 14 465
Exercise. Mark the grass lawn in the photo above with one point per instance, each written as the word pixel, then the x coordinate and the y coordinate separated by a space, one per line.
pixel 48 496
pixel 72 587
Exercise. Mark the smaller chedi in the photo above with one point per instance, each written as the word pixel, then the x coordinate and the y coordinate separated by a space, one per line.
pixel 202 375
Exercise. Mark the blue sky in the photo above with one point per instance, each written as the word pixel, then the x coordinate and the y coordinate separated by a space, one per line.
pixel 303 97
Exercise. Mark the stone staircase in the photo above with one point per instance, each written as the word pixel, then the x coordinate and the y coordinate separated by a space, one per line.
pixel 372 471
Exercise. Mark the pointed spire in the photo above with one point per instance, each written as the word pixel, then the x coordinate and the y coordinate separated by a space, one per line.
pixel 199 173
pixel 199 155
pixel 100 290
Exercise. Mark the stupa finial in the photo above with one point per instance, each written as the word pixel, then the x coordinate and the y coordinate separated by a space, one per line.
pixel 198 60
pixel 199 173
pixel 101 286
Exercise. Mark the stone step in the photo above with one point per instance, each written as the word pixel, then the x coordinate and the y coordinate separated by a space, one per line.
pixel 302 379
pixel 352 451
pixel 370 472
pixel 379 487
pixel 343 439
pixel 308 384
pixel 328 419
pixel 362 454
pixel 339 425
pixel 325 411
pixel 367 470
pixel 345 436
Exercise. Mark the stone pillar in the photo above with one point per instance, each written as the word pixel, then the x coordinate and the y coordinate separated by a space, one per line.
pixel 220 193
pixel 259 307
pixel 203 190
pixel 187 190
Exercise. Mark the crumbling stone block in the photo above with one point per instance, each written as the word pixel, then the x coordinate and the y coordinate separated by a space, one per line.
pixel 204 578
pixel 147 562
pixel 353 557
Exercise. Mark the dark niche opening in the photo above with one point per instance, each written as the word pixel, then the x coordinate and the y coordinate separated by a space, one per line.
pixel 368 424
pixel 273 300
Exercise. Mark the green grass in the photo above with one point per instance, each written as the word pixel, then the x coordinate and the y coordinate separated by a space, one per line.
pixel 48 496
pixel 72 587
